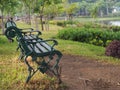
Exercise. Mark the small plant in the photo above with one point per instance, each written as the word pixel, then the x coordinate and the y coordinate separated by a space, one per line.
pixel 113 49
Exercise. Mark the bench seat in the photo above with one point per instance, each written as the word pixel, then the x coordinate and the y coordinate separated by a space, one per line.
pixel 38 46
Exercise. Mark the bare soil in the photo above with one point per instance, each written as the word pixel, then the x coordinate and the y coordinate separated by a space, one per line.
pixel 81 73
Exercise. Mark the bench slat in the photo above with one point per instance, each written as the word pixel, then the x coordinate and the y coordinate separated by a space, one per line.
pixel 38 47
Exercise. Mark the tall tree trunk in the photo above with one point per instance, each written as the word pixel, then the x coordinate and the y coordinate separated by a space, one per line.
pixel 41 20
pixel 41 17
pixel 101 13
pixel 2 25
pixel 29 17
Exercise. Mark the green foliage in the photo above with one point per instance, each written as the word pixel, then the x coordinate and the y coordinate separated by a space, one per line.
pixel 89 35
pixel 115 28
pixel 61 23
pixel 99 26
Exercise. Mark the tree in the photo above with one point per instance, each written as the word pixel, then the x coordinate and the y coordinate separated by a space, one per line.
pixel 97 8
pixel 71 9
pixel 40 8
pixel 29 8
pixel 83 7
pixel 2 8
pixel 109 5
pixel 94 11
pixel 8 7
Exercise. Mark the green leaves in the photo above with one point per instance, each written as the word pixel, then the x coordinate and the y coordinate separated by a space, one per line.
pixel 91 35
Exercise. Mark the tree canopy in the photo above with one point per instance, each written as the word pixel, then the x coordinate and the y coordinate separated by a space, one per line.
pixel 52 8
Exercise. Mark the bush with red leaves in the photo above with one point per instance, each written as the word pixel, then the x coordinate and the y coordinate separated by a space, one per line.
pixel 113 49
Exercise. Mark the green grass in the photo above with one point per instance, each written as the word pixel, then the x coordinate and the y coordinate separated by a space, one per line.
pixel 87 50
pixel 82 19
pixel 13 72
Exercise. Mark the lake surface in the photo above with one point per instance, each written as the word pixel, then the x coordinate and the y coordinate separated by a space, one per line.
pixel 112 23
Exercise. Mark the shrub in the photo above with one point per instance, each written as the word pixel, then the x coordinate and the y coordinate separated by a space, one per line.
pixel 113 49
pixel 99 26
pixel 115 28
pixel 93 36
pixel 61 23
pixel 53 22
pixel 71 22
pixel 89 35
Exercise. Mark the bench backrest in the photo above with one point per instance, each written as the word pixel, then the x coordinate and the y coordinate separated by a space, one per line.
pixel 9 24
pixel 12 32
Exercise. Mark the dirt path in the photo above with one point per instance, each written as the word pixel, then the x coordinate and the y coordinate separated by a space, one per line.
pixel 80 73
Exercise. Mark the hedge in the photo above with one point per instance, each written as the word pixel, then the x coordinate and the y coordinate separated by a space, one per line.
pixel 92 36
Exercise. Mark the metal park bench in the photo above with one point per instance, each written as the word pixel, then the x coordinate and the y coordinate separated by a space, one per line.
pixel 35 49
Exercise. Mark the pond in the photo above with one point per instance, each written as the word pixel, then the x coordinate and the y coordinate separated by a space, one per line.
pixel 112 23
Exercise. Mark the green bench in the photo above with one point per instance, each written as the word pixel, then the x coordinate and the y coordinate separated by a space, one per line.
pixel 39 51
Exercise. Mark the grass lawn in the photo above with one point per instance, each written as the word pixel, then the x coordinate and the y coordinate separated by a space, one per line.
pixel 14 72
pixel 82 19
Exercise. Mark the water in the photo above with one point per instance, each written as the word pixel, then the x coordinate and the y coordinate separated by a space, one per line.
pixel 114 23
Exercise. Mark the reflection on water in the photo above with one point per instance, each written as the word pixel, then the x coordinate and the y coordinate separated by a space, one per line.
pixel 114 23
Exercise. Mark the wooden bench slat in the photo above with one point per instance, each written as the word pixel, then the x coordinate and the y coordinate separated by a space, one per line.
pixel 40 47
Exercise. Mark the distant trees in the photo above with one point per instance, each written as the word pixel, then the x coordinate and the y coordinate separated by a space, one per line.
pixel 104 7
pixel 70 9
pixel 48 9
pixel 28 7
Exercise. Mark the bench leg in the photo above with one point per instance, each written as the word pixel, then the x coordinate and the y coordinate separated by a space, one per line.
pixel 30 70
pixel 55 69
pixel 46 67
pixel 21 56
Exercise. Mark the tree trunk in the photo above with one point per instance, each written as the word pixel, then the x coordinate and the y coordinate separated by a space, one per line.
pixel 101 13
pixel 47 23
pixel 2 25
pixel 41 20
pixel 29 17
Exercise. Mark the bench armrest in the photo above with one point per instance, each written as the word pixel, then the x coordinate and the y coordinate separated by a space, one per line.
pixel 30 31
pixel 26 29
